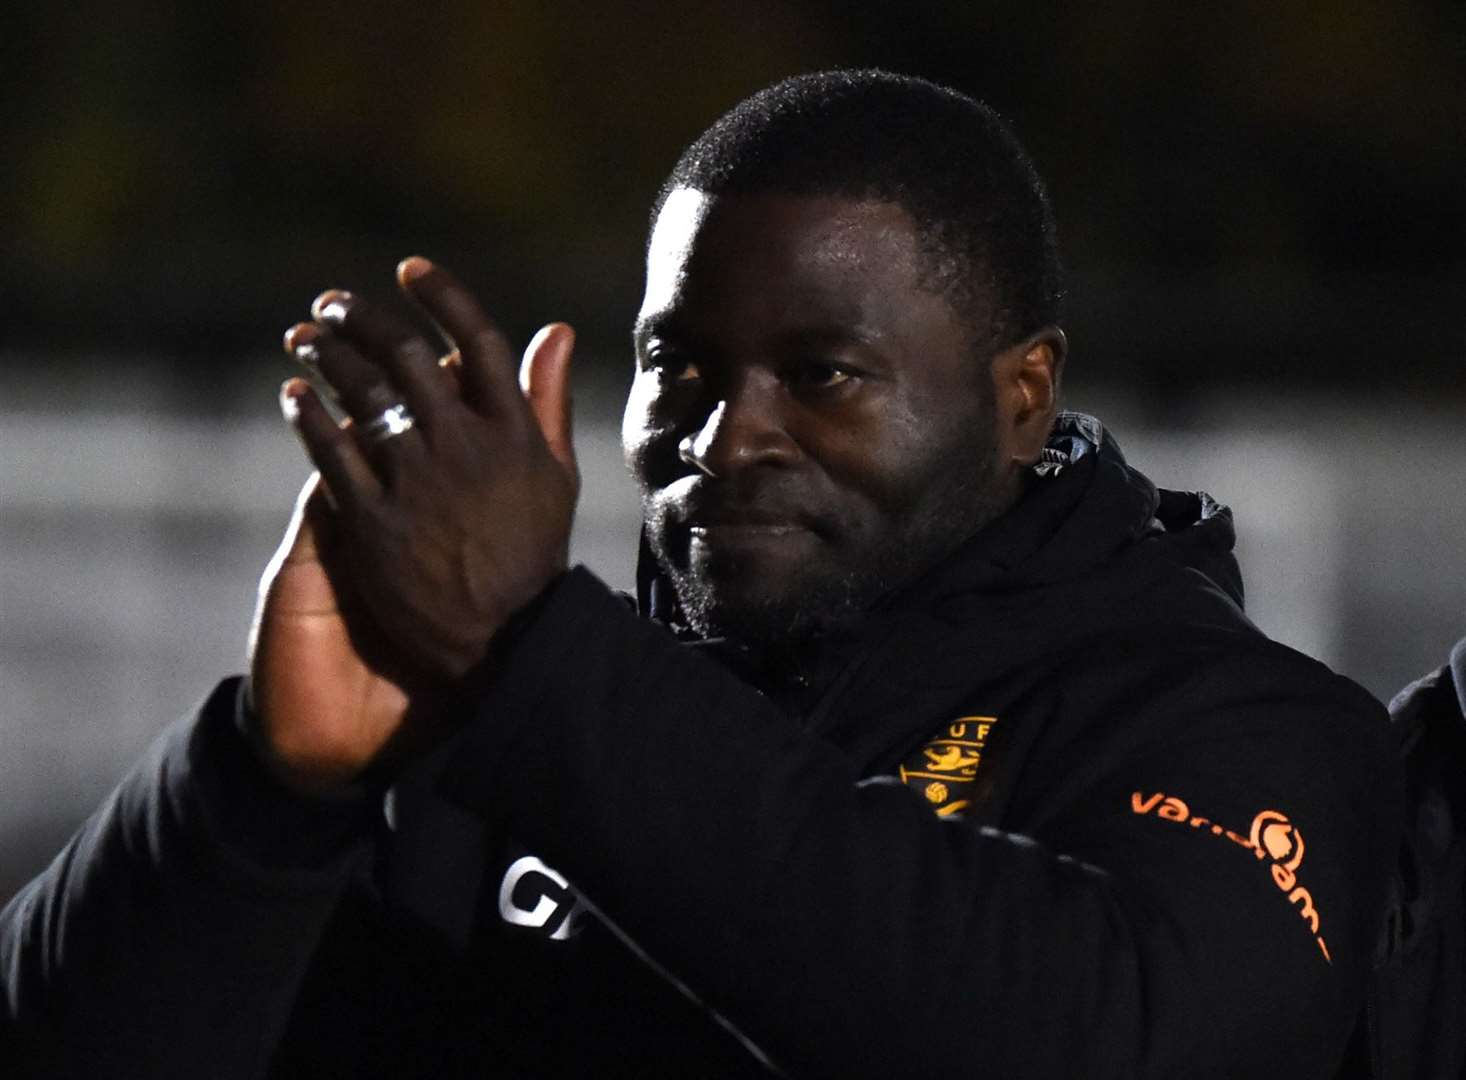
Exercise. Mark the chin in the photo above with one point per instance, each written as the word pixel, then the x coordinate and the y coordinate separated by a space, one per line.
pixel 765 617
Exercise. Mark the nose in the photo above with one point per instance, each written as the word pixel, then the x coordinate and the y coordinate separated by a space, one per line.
pixel 744 429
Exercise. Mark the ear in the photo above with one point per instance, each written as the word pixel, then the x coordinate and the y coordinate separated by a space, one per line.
pixel 1026 389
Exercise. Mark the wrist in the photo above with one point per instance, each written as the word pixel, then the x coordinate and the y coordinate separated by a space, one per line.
pixel 306 772
pixel 253 814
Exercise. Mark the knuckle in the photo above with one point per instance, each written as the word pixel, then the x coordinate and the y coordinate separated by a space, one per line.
pixel 335 441
pixel 363 519
pixel 379 396
pixel 331 358
pixel 410 352
pixel 487 342
pixel 404 466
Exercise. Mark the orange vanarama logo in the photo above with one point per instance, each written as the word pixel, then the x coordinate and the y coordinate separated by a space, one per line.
pixel 944 767
pixel 1272 836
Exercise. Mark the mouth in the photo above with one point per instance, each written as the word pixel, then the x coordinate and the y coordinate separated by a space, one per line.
pixel 750 519
pixel 733 548
pixel 739 517
pixel 744 532
pixel 734 530
pixel 716 523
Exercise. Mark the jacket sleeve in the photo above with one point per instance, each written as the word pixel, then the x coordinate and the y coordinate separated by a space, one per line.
pixel 167 938
pixel 844 929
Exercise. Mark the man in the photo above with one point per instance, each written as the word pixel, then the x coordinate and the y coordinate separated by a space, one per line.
pixel 944 747
pixel 1419 988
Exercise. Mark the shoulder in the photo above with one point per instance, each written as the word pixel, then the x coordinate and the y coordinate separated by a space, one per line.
pixel 1173 670
pixel 1222 713
pixel 1442 691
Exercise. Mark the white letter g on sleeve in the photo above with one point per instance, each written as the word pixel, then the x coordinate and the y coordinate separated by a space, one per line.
pixel 536 897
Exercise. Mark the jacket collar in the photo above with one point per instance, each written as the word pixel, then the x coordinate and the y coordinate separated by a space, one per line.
pixel 1458 673
pixel 1083 508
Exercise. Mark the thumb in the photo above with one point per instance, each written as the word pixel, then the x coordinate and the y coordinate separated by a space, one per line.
pixel 306 520
pixel 299 548
pixel 544 376
pixel 295 585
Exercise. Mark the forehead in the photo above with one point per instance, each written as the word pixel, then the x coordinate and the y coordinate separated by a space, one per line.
pixel 773 259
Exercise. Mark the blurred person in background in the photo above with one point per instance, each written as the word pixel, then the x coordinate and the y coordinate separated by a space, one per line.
pixel 936 737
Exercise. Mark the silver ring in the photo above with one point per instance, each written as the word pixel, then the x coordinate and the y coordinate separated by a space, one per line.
pixel 389 425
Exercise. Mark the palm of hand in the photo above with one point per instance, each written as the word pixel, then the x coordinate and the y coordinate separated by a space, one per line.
pixel 325 709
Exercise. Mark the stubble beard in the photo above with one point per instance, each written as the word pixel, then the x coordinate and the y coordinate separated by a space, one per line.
pixel 832 597
pixel 734 606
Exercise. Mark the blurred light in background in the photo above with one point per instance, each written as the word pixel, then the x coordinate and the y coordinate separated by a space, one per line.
pixel 1263 208
pixel 131 540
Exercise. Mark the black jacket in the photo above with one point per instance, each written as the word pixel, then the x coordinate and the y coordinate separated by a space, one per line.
pixel 1057 810
pixel 1418 998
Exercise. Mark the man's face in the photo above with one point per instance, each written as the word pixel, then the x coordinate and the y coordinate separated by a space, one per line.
pixel 809 426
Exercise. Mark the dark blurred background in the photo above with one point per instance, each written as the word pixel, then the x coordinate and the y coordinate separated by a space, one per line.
pixel 1263 208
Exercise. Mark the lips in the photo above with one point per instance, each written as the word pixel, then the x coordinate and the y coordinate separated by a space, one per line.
pixel 757 522
pixel 726 533
pixel 752 521
pixel 718 520
pixel 744 530
pixel 740 528
pixel 722 546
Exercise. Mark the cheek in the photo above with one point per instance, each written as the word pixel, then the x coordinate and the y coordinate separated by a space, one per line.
pixel 916 465
pixel 648 441
pixel 886 463
pixel 637 428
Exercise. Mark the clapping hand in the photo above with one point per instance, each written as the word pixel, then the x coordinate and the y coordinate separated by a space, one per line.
pixel 451 491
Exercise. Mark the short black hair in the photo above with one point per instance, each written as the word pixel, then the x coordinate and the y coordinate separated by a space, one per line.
pixel 982 214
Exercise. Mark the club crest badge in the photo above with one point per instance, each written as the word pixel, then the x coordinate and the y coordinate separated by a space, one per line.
pixel 945 770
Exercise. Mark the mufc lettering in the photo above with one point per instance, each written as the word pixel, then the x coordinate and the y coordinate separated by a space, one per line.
pixel 1271 836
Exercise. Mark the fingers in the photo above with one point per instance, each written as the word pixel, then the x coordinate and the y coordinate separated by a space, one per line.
pixel 368 391
pixel 351 484
pixel 364 389
pixel 487 366
pixel 374 361
pixel 544 378
pixel 367 342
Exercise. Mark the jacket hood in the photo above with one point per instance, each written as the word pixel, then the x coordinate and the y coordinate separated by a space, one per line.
pixel 1084 507
pixel 1090 551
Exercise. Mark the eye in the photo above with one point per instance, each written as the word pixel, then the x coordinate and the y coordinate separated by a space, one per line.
pixel 822 375
pixel 670 366
pixel 682 370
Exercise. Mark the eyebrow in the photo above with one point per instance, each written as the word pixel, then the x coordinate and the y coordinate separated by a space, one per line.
pixel 657 323
pixel 666 324
pixel 829 334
